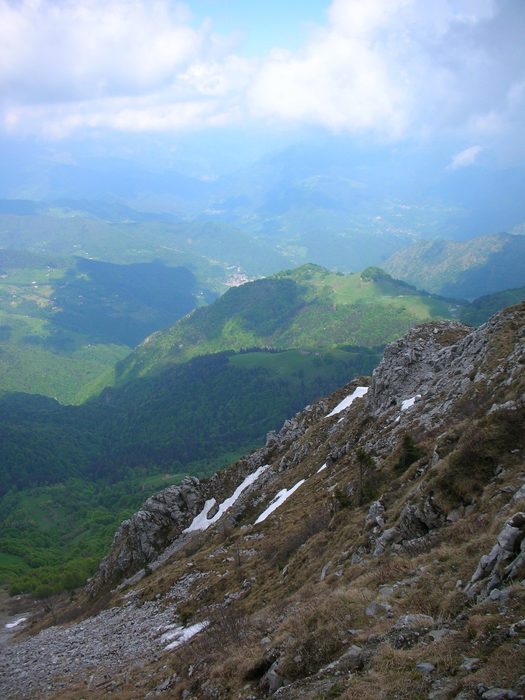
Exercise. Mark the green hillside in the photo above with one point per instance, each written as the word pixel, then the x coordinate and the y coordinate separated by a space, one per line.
pixel 480 310
pixel 64 322
pixel 79 470
pixel 309 307
pixel 464 269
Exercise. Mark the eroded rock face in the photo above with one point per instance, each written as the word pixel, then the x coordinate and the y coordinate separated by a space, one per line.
pixel 438 363
pixel 417 520
pixel 140 539
pixel 410 365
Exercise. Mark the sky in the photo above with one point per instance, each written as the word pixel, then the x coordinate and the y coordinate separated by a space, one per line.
pixel 120 72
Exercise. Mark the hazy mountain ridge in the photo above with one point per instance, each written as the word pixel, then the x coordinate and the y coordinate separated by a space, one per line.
pixel 366 579
pixel 464 269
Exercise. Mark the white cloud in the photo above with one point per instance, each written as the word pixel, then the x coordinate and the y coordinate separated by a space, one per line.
pixel 465 158
pixel 126 65
pixel 393 67
pixel 337 81
pixel 92 48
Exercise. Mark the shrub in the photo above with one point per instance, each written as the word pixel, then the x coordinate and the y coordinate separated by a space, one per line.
pixel 410 453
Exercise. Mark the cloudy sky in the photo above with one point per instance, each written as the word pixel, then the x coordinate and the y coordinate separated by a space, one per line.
pixel 385 70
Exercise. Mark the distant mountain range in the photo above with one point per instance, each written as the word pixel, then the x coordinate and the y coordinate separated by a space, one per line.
pixel 464 269
pixel 320 199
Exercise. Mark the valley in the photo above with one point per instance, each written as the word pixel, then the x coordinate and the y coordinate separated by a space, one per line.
pixel 206 386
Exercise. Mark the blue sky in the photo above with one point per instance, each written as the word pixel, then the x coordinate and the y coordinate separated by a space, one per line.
pixel 261 26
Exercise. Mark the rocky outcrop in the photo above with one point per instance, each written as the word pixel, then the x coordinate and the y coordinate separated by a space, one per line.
pixel 417 519
pixel 438 363
pixel 505 561
pixel 411 364
pixel 163 517
pixel 140 539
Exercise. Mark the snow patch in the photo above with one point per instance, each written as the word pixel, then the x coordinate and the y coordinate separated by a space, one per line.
pixel 181 635
pixel 349 400
pixel 322 468
pixel 10 625
pixel 279 499
pixel 202 522
pixel 408 403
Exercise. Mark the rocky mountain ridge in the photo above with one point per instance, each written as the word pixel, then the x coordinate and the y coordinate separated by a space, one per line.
pixel 374 548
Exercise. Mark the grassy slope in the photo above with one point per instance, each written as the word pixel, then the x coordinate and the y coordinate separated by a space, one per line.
pixel 308 307
pixel 32 368
pixel 65 322
pixel 483 308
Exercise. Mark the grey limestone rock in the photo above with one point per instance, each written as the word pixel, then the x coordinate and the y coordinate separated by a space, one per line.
pixel 505 561
pixel 425 667
pixel 416 520
pixel 378 609
pixel 470 664
pixel 388 538
pixel 414 621
pixel 375 515
pixel 272 679
pixel 410 365
pixel 352 660
pixel 140 539
pixel 501 694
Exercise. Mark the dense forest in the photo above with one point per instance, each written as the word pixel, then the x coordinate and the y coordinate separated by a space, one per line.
pixel 62 463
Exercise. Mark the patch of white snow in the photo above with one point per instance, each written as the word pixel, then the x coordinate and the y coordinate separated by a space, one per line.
pixel 10 625
pixel 202 522
pixel 322 468
pixel 408 403
pixel 349 400
pixel 279 499
pixel 181 635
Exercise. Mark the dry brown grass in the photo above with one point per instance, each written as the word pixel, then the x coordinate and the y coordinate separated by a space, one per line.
pixel 393 672
pixel 387 570
pixel 504 667
pixel 319 629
